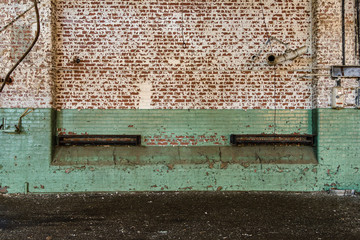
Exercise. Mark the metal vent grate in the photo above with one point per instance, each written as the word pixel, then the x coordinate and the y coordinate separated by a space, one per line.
pixel 255 139
pixel 98 140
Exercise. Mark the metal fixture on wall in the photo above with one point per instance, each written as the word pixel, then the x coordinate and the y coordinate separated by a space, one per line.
pixel 357 47
pixel 76 60
pixel 357 97
pixel 267 42
pixel 5 129
pixel 256 139
pixel 344 71
pixel 6 80
pixel 337 96
pixel 9 80
pixel 288 55
pixel 99 140
pixel 343 31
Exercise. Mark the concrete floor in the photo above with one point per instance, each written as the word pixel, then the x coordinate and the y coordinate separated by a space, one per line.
pixel 185 215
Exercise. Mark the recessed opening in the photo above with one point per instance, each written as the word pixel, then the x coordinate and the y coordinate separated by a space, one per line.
pixel 271 59
pixel 98 140
pixel 282 139
pixel 274 148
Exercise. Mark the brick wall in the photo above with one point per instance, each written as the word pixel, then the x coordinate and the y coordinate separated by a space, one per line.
pixel 133 54
pixel 181 54
pixel 33 79
pixel 328 45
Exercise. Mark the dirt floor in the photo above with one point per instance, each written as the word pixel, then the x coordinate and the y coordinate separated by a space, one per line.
pixel 185 215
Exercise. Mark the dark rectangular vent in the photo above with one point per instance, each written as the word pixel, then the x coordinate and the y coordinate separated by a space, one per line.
pixel 345 71
pixel 98 140
pixel 255 139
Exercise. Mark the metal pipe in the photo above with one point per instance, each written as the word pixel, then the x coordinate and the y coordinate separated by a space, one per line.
pixel 289 55
pixel 28 50
pixel 357 47
pixel 357 30
pixel 343 31
pixel 15 19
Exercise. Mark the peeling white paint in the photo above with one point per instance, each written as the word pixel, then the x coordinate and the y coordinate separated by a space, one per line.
pixel 174 61
pixel 145 94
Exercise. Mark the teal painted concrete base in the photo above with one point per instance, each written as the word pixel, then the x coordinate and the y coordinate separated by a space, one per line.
pixel 26 158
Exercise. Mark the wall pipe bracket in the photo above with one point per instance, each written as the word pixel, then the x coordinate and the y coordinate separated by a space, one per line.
pixel 18 126
pixel 288 55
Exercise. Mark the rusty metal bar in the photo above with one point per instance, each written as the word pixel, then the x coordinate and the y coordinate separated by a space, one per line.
pixel 98 140
pixel 255 139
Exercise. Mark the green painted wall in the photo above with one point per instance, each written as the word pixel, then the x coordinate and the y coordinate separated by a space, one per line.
pixel 339 148
pixel 26 157
pixel 184 127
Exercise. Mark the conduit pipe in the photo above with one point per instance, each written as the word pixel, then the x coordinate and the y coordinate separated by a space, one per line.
pixel 7 78
pixel 15 19
pixel 288 55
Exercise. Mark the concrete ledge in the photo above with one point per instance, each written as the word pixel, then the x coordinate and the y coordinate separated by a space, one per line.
pixel 123 155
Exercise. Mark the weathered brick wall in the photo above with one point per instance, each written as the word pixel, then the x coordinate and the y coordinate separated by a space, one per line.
pixel 181 54
pixel 328 44
pixel 33 81
pixel 133 54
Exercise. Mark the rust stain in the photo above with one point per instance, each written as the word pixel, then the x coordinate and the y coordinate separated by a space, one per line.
pixel 4 190
pixel 170 166
pixel 219 189
pixel 186 188
pixel 224 165
pixel 211 165
pixel 245 164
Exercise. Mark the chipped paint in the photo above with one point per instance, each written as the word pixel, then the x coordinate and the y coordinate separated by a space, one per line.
pixel 4 190
pixel 145 94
